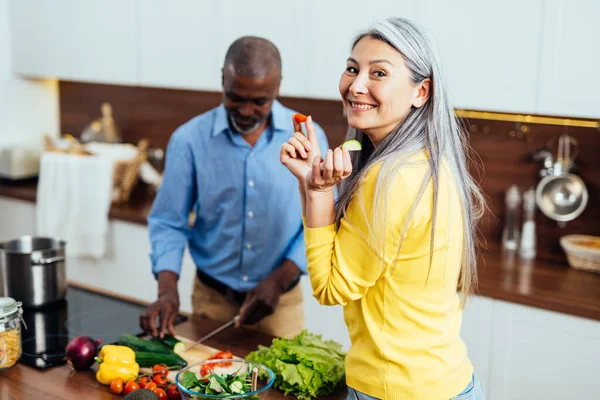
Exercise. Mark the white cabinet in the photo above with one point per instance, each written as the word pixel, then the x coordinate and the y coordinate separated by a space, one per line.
pixel 17 218
pixel 330 29
pixel 539 354
pixel 179 42
pixel 569 80
pixel 75 40
pixel 490 52
pixel 476 332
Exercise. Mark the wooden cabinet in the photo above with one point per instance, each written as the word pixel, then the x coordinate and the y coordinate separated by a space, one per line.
pixel 569 81
pixel 91 41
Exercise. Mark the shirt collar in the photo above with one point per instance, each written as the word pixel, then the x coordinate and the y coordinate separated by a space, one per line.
pixel 279 119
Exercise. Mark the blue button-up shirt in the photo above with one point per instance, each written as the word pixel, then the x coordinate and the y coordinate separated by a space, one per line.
pixel 247 206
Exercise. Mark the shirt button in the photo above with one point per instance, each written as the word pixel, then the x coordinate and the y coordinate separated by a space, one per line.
pixel 248 246
pixel 250 214
pixel 251 183
pixel 245 278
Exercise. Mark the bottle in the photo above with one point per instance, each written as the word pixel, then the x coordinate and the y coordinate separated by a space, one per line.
pixel 102 129
pixel 528 240
pixel 510 235
pixel 11 315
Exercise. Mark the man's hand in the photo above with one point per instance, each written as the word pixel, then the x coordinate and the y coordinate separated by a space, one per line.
pixel 263 299
pixel 166 307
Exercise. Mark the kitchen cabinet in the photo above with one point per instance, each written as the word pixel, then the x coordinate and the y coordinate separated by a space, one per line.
pixel 569 82
pixel 76 40
pixel 539 354
pixel 17 218
pixel 490 52
pixel 179 44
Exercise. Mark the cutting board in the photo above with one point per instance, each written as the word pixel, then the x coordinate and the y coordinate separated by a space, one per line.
pixel 195 355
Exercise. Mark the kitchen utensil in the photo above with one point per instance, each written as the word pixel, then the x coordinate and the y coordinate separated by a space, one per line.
pixel 32 270
pixel 237 367
pixel 213 333
pixel 561 195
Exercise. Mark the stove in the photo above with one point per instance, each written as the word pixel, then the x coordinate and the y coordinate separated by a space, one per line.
pixel 81 313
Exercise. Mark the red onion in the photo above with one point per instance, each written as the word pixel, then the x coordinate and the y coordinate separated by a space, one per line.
pixel 80 352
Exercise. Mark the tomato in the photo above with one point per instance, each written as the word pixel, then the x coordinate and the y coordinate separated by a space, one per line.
pixel 144 381
pixel 173 393
pixel 299 118
pixel 162 368
pixel 159 379
pixel 116 386
pixel 151 386
pixel 222 355
pixel 205 370
pixel 162 395
pixel 131 386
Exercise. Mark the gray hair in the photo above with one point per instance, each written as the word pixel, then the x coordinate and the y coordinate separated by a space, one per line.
pixel 433 128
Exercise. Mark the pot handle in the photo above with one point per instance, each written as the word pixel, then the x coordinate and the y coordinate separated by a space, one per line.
pixel 46 261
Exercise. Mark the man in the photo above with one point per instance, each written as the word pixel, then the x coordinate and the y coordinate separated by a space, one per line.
pixel 247 240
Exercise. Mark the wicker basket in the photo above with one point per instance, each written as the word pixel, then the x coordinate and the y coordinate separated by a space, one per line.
pixel 126 172
pixel 583 252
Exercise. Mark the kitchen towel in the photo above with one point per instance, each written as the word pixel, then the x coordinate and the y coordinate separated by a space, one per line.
pixel 73 201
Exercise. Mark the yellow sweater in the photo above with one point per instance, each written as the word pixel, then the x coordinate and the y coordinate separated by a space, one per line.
pixel 404 326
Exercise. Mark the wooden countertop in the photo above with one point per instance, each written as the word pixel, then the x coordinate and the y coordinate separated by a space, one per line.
pixel 540 283
pixel 24 383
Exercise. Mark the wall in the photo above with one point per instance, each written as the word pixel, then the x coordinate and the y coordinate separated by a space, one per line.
pixel 28 108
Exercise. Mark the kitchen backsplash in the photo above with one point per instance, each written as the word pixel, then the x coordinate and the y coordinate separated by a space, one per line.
pixel 504 150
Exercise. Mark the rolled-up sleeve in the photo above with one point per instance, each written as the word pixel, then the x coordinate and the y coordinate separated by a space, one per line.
pixel 168 222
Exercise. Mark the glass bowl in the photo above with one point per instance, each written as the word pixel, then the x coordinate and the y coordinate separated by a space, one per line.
pixel 227 368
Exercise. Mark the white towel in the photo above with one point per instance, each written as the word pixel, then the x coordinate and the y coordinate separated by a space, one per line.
pixel 73 201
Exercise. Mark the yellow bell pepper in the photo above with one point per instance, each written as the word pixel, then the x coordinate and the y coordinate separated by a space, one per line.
pixel 116 362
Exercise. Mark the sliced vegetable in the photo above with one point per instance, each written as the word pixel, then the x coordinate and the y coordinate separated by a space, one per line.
pixel 139 344
pixel 219 355
pixel 218 384
pixel 352 145
pixel 172 343
pixel 299 118
pixel 148 360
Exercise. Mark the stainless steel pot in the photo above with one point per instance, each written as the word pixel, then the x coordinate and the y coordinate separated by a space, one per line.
pixel 32 270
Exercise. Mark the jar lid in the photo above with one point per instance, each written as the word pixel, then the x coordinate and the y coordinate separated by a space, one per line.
pixel 8 306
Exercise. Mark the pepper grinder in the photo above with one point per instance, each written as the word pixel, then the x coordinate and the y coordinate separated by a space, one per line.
pixel 510 235
pixel 528 242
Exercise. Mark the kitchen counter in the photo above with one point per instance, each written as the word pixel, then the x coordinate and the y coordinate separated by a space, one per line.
pixel 25 383
pixel 543 284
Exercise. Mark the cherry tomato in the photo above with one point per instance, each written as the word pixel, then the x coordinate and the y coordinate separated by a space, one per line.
pixel 173 393
pixel 299 117
pixel 205 370
pixel 222 355
pixel 151 386
pixel 162 395
pixel 160 368
pixel 159 379
pixel 144 381
pixel 116 386
pixel 131 386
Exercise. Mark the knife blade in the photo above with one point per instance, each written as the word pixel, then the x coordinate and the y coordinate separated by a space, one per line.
pixel 213 333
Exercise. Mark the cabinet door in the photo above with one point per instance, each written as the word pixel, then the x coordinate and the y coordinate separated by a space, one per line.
pixel 540 354
pixel 570 84
pixel 89 40
pixel 179 44
pixel 331 29
pixel 17 218
pixel 490 52
pixel 476 331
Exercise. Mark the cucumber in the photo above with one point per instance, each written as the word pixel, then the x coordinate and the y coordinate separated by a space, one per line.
pixel 172 343
pixel 148 359
pixel 146 346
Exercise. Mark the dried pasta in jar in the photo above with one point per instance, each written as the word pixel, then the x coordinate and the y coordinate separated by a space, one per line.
pixel 10 348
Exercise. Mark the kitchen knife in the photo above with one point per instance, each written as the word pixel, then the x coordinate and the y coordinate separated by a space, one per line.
pixel 213 333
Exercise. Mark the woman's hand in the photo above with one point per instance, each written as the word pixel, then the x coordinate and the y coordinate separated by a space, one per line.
pixel 325 175
pixel 298 153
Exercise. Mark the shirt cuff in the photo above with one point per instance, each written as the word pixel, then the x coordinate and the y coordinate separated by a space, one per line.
pixel 170 261
pixel 323 234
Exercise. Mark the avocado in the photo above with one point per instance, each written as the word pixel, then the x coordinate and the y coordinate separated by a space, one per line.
pixel 141 394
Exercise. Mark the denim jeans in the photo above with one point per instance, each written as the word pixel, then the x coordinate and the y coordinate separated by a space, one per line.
pixel 473 391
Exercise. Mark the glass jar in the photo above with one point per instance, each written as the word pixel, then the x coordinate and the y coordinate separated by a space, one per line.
pixel 10 332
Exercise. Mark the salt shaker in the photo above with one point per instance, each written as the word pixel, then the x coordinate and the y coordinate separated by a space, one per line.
pixel 528 242
pixel 510 235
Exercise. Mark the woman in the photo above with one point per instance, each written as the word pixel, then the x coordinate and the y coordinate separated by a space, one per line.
pixel 401 238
